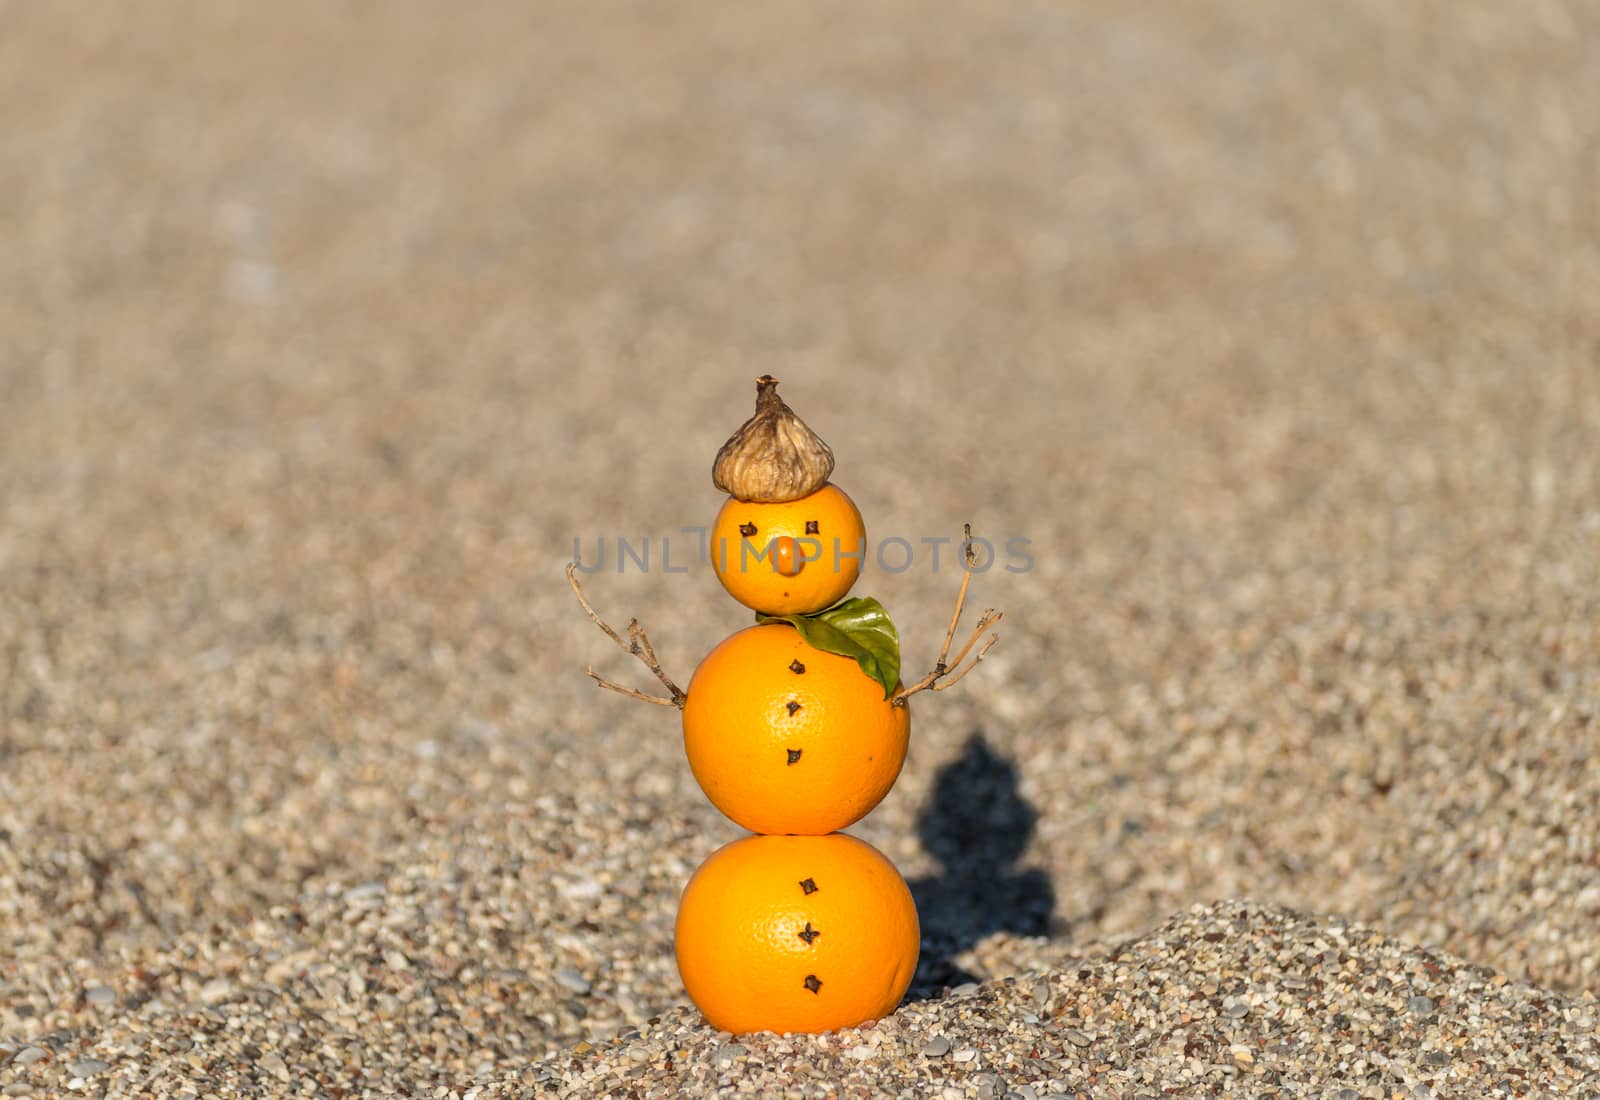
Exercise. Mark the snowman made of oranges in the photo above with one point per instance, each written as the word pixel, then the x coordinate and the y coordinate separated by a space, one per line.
pixel 795 728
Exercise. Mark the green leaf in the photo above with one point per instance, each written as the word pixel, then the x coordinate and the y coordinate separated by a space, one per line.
pixel 858 628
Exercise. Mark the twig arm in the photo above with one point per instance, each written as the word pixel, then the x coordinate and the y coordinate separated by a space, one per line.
pixel 944 669
pixel 638 644
pixel 969 559
pixel 630 692
pixel 956 676
pixel 989 617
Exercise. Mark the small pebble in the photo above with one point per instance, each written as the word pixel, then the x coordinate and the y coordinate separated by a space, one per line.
pixel 100 996
pixel 965 1054
pixel 216 991
pixel 1041 995
pixel 87 1067
pixel 1420 1006
pixel 1078 1038
pixel 571 979
pixel 582 888
pixel 29 1055
pixel 936 1047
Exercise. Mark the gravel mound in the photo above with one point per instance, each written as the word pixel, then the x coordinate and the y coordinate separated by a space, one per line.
pixel 1228 999
pixel 1234 998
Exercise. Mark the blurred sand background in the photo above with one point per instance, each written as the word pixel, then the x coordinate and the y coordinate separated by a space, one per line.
pixel 326 330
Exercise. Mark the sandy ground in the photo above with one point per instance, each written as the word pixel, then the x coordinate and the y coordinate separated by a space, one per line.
pixel 328 332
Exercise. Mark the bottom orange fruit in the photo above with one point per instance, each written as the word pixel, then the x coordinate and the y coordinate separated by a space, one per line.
pixel 796 933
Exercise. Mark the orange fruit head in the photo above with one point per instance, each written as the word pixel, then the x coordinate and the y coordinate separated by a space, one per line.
pixel 792 557
pixel 785 738
pixel 796 933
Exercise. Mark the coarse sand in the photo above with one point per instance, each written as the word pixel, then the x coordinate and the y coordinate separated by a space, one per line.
pixel 1261 341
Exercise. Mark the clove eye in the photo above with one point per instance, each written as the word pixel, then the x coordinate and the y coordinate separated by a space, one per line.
pixel 747 529
pixel 811 527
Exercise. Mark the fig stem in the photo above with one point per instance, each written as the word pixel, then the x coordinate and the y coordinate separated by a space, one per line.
pixel 947 672
pixel 637 644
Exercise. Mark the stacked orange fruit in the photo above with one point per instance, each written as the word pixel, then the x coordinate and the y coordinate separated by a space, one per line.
pixel 795 728
pixel 798 928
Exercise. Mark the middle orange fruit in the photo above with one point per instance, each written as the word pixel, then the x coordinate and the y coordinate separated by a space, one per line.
pixel 785 738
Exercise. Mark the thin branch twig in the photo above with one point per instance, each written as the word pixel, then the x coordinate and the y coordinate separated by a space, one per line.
pixel 956 676
pixel 944 667
pixel 630 692
pixel 637 644
pixel 961 599
pixel 989 617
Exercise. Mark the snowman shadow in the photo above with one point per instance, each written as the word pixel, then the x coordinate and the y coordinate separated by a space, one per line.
pixel 977 825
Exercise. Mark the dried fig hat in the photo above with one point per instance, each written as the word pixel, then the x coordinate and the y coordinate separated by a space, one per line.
pixel 773 457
